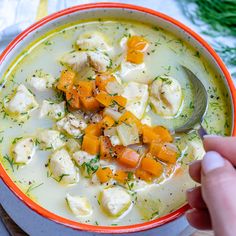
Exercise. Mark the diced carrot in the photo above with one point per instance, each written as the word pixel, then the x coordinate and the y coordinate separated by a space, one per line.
pixel 91 144
pixel 118 150
pixel 102 81
pixel 155 148
pixel 120 100
pixel 104 174
pixel 72 97
pixel 138 43
pixel 149 134
pixel 134 56
pixel 104 98
pixel 129 118
pixel 121 176
pixel 105 148
pixel 129 158
pixel 85 88
pixel 107 122
pixel 89 103
pixel 93 129
pixel 152 166
pixel 66 80
pixel 164 134
pixel 166 154
pixel 144 175
pixel 136 47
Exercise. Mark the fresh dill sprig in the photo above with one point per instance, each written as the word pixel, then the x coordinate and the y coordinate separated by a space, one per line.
pixel 220 15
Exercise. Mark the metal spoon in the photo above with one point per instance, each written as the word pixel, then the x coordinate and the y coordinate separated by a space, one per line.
pixel 200 105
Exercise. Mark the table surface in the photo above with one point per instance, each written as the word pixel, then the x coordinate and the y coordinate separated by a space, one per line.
pixel 36 225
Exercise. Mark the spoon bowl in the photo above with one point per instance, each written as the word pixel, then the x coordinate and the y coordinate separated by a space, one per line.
pixel 200 104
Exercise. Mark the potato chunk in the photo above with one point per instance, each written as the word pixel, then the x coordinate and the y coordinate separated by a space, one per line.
pixel 80 206
pixel 50 139
pixel 23 150
pixel 72 125
pixel 128 134
pixel 53 110
pixel 166 96
pixel 22 102
pixel 62 168
pixel 137 97
pixel 115 201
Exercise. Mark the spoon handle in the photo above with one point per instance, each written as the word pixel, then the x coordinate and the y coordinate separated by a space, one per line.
pixel 201 132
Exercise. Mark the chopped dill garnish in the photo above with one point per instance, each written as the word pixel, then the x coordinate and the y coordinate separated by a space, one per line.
pixel 32 187
pixel 10 161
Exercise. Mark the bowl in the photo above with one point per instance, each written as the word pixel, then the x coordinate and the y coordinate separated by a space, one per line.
pixel 111 10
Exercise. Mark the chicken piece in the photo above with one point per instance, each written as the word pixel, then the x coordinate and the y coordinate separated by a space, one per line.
pixel 92 41
pixel 23 150
pixel 137 97
pixel 22 102
pixel 62 168
pixel 50 139
pixel 82 157
pixel 41 81
pixel 72 125
pixel 88 162
pixel 129 71
pixel 78 61
pixel 166 96
pixel 80 206
pixel 99 61
pixel 115 201
pixel 53 110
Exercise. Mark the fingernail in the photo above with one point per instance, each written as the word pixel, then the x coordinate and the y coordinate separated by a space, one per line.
pixel 190 190
pixel 193 162
pixel 189 211
pixel 211 161
pixel 211 136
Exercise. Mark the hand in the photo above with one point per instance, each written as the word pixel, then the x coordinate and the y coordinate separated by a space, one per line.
pixel 214 202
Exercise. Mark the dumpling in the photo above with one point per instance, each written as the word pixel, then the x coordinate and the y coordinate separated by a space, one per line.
pixel 166 96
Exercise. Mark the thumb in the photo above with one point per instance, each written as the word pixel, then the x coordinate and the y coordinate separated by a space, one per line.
pixel 219 192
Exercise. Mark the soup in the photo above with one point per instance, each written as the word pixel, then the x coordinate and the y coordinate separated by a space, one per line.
pixel 88 114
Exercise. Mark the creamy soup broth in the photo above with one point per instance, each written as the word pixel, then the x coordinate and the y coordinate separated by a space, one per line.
pixel 163 57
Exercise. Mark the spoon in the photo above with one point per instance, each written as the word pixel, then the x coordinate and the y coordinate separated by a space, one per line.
pixel 200 105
